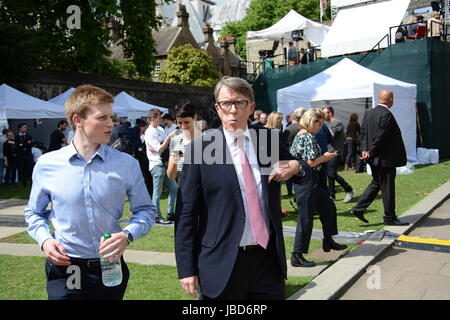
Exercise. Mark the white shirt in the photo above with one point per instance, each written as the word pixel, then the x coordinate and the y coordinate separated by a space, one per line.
pixel 230 138
pixel 153 138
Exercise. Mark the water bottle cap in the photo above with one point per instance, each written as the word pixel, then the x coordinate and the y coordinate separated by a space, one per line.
pixel 107 235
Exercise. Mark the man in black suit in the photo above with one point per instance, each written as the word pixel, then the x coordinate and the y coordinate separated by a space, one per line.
pixel 228 232
pixel 24 143
pixel 383 149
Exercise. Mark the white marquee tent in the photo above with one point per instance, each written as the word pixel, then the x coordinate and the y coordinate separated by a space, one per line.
pixel 61 99
pixel 350 81
pixel 360 28
pixel 18 105
pixel 124 104
pixel 134 108
pixel 314 32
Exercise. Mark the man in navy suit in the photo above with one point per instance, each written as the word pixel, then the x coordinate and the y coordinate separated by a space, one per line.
pixel 383 149
pixel 228 233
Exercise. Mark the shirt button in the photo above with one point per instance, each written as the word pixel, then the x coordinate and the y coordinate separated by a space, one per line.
pixel 88 203
pixel 90 221
pixel 242 219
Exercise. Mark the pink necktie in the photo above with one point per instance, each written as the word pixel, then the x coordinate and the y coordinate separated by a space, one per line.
pixel 254 207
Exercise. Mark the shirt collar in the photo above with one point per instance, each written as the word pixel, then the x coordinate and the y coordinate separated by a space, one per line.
pixel 70 151
pixel 230 136
pixel 380 104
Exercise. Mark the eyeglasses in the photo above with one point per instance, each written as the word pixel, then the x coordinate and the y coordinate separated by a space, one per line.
pixel 239 104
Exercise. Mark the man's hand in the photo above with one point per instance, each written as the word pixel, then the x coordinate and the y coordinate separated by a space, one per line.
pixel 284 170
pixel 365 155
pixel 114 246
pixel 55 252
pixel 190 285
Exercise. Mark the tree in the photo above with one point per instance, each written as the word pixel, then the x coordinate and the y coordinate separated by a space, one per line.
pixel 187 65
pixel 41 35
pixel 262 14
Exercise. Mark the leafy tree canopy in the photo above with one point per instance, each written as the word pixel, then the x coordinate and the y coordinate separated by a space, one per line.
pixel 44 34
pixel 187 65
pixel 262 14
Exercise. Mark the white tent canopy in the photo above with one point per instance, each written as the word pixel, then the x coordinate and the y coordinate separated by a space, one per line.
pixel 313 31
pixel 357 29
pixel 348 80
pixel 133 107
pixel 61 99
pixel 18 105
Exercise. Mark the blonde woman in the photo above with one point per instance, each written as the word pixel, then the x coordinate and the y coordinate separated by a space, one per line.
pixel 274 120
pixel 434 25
pixel 311 198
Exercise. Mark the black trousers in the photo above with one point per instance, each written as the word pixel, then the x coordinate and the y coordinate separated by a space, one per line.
pixel 25 167
pixel 256 275
pixel 382 179
pixel 311 199
pixel 333 176
pixel 91 286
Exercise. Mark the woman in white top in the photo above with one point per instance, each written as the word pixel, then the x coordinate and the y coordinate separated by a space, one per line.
pixel 434 25
pixel 186 117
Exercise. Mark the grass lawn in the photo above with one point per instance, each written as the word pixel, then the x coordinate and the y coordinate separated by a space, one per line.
pixel 24 278
pixel 410 189
pixel 27 282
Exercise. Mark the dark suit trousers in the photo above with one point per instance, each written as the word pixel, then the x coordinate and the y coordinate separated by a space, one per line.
pixel 91 286
pixel 333 176
pixel 383 179
pixel 25 166
pixel 256 275
pixel 313 199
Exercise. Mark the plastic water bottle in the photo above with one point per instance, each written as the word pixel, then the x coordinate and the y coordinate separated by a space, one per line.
pixel 111 272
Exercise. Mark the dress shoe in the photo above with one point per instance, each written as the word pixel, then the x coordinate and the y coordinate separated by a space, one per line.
pixel 396 222
pixel 297 260
pixel 160 220
pixel 170 217
pixel 359 215
pixel 329 243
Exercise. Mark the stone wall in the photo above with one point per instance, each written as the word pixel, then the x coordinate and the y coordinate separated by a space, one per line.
pixel 48 84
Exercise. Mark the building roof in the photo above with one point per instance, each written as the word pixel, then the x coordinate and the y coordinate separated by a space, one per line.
pixel 164 39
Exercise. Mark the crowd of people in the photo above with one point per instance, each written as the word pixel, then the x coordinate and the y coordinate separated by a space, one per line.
pixel 223 196
pixel 432 28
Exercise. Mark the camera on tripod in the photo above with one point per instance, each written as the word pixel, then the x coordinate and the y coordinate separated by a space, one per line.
pixel 269 53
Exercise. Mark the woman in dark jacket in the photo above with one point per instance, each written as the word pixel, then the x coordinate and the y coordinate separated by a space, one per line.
pixel 10 155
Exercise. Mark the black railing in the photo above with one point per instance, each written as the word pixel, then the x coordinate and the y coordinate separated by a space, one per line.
pixel 377 45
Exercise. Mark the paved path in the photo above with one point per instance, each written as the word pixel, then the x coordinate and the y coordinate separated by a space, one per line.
pixel 337 279
pixel 410 274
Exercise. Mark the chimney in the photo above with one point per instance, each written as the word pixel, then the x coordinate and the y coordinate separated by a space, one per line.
pixel 208 34
pixel 232 44
pixel 226 58
pixel 183 17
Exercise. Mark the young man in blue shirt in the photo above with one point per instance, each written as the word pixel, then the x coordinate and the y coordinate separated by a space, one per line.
pixel 86 183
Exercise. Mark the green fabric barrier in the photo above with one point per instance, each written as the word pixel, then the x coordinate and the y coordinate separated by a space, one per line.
pixel 424 62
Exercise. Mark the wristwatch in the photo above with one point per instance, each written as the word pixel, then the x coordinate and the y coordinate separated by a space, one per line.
pixel 129 236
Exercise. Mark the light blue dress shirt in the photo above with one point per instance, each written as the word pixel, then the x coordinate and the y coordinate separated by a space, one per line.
pixel 87 198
